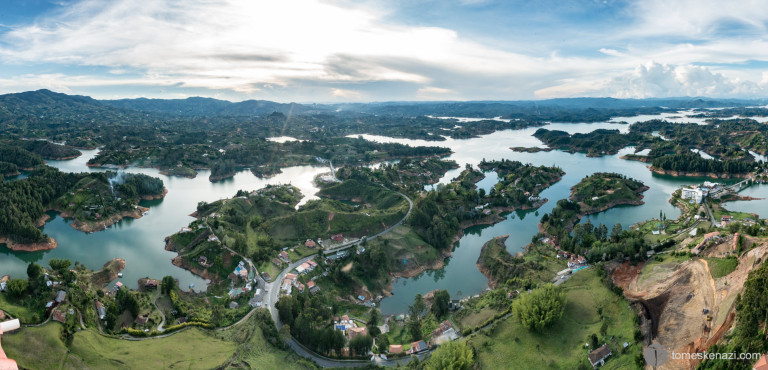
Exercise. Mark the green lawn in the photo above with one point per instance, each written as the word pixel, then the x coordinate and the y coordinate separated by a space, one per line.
pixel 720 267
pixel 561 346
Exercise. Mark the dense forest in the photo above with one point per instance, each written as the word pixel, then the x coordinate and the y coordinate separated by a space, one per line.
pixel 596 143
pixel 49 150
pixel 24 202
pixel 693 162
pixel 519 184
pixel 20 157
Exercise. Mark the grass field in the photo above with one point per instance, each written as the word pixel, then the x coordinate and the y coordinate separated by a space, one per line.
pixel 18 311
pixel 476 318
pixel 41 348
pixel 241 346
pixel 720 267
pixel 404 245
pixel 561 346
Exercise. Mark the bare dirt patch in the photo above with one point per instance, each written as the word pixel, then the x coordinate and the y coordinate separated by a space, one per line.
pixel 682 307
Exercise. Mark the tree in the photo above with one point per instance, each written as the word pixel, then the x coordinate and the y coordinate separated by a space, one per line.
pixel 17 287
pixel 34 271
pixel 540 308
pixel 60 264
pixel 414 327
pixel 383 343
pixel 440 306
pixel 361 344
pixel 374 320
pixel 168 284
pixel 452 355
pixel 418 308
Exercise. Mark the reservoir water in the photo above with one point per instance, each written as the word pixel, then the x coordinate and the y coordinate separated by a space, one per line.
pixel 141 243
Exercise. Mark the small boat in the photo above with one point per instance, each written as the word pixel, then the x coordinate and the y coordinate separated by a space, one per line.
pixel 192 285
pixel 119 274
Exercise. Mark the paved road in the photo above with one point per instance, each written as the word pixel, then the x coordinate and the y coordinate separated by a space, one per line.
pixel 346 246
pixel 711 216
pixel 271 296
pixel 162 314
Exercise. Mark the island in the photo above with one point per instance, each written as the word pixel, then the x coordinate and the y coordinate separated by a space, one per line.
pixel 595 193
pixel 94 201
pixel 601 191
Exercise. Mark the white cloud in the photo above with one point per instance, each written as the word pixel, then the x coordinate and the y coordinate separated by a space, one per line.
pixel 242 45
pixel 319 50
pixel 347 94
pixel 653 80
pixel 700 19
pixel 659 80
pixel 432 92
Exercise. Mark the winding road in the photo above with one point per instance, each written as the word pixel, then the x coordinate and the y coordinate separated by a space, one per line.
pixel 271 296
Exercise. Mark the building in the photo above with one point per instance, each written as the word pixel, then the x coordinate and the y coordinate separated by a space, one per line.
pixel 695 194
pixel 213 238
pixel 353 332
pixel 59 316
pixel 725 220
pixel 395 348
pixel 185 230
pixel 151 284
pixel 338 238
pixel 310 243
pixel 233 305
pixel 266 277
pixel 285 257
pixel 418 347
pixel 598 356
pixel 142 320
pixel 761 364
pixel 101 310
pixel 61 296
pixel 707 238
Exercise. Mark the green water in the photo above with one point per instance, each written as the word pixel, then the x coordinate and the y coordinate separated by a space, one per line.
pixel 141 242
pixel 460 277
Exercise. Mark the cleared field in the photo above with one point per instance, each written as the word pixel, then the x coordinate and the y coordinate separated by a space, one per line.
pixel 655 270
pixel 589 306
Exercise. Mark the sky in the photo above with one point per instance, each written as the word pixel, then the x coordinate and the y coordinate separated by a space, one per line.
pixel 385 50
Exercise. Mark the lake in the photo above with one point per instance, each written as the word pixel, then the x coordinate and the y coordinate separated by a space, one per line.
pixel 141 242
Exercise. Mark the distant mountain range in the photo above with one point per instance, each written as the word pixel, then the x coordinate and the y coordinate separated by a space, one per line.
pixel 45 104
pixel 198 106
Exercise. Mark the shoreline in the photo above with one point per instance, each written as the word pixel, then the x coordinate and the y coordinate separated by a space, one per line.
pixel 493 282
pixel 439 263
pixel 30 247
pixel 698 174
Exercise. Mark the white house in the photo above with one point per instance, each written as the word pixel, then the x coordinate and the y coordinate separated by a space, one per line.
pixel 696 194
